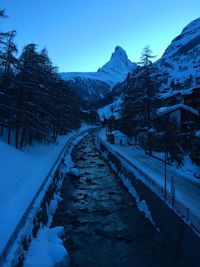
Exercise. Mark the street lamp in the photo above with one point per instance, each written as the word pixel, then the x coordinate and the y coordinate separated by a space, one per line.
pixel 165 174
pixel 165 162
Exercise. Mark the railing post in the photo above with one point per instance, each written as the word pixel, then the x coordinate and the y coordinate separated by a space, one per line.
pixel 172 190
pixel 187 214
pixel 173 199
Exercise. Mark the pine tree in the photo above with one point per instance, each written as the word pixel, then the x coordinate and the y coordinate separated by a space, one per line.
pixel 132 110
pixel 7 63
pixel 46 106
pixel 140 98
pixel 149 83
pixel 34 102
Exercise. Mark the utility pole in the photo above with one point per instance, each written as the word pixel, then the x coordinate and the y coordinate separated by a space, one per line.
pixel 165 165
pixel 165 176
pixel 172 190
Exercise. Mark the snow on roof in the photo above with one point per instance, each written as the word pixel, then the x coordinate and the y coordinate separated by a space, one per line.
pixel 165 110
pixel 179 92
pixel 197 133
pixel 189 91
pixel 170 94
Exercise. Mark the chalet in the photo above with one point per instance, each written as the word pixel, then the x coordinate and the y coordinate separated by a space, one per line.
pixel 186 117
pixel 189 97
pixel 172 98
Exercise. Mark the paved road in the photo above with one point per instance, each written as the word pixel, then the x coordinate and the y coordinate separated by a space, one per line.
pixel 103 227
pixel 187 190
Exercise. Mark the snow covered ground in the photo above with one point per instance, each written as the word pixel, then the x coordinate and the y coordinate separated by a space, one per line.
pixel 187 187
pixel 47 249
pixel 112 109
pixel 21 175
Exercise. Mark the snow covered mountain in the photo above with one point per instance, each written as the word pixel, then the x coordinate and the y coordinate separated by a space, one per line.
pixel 110 105
pixel 180 65
pixel 93 86
pixel 117 68
pixel 181 61
pixel 90 90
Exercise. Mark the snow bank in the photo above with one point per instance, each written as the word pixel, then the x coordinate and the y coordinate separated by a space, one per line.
pixel 51 209
pixel 47 249
pixel 75 172
pixel 112 109
pixel 141 204
pixel 21 175
pixel 187 188
pixel 68 167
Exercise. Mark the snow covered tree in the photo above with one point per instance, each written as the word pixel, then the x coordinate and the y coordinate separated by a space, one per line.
pixel 133 109
pixel 45 106
pixel 7 63
pixel 149 83
pixel 140 98
pixel 34 102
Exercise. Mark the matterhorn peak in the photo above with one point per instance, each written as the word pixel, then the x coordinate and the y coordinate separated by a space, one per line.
pixel 119 64
pixel 120 49
pixel 119 52
pixel 113 72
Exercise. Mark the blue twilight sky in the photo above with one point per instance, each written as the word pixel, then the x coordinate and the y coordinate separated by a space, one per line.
pixel 80 35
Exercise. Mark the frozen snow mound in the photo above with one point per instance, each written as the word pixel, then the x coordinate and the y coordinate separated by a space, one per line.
pixel 47 249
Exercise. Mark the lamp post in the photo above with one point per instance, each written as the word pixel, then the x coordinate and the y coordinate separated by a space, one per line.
pixel 172 190
pixel 165 163
pixel 165 175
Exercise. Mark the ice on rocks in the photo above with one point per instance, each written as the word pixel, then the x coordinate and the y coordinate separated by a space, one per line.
pixel 75 172
pixel 67 165
pixel 47 249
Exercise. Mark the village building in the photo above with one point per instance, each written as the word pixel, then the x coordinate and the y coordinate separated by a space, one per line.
pixel 182 106
pixel 190 97
pixel 186 117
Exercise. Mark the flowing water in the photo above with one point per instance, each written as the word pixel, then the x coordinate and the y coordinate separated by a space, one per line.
pixel 103 227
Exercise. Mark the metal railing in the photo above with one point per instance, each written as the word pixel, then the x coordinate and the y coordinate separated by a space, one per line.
pixel 186 213
pixel 66 149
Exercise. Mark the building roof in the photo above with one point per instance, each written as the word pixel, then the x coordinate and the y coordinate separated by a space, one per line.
pixel 179 92
pixel 164 110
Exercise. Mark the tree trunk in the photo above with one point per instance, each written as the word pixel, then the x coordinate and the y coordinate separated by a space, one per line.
pixel 2 126
pixel 22 139
pixel 56 133
pixel 8 135
pixel 30 138
pixel 16 137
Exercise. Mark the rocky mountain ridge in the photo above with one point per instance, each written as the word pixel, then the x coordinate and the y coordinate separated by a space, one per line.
pixel 180 62
pixel 179 65
pixel 93 86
